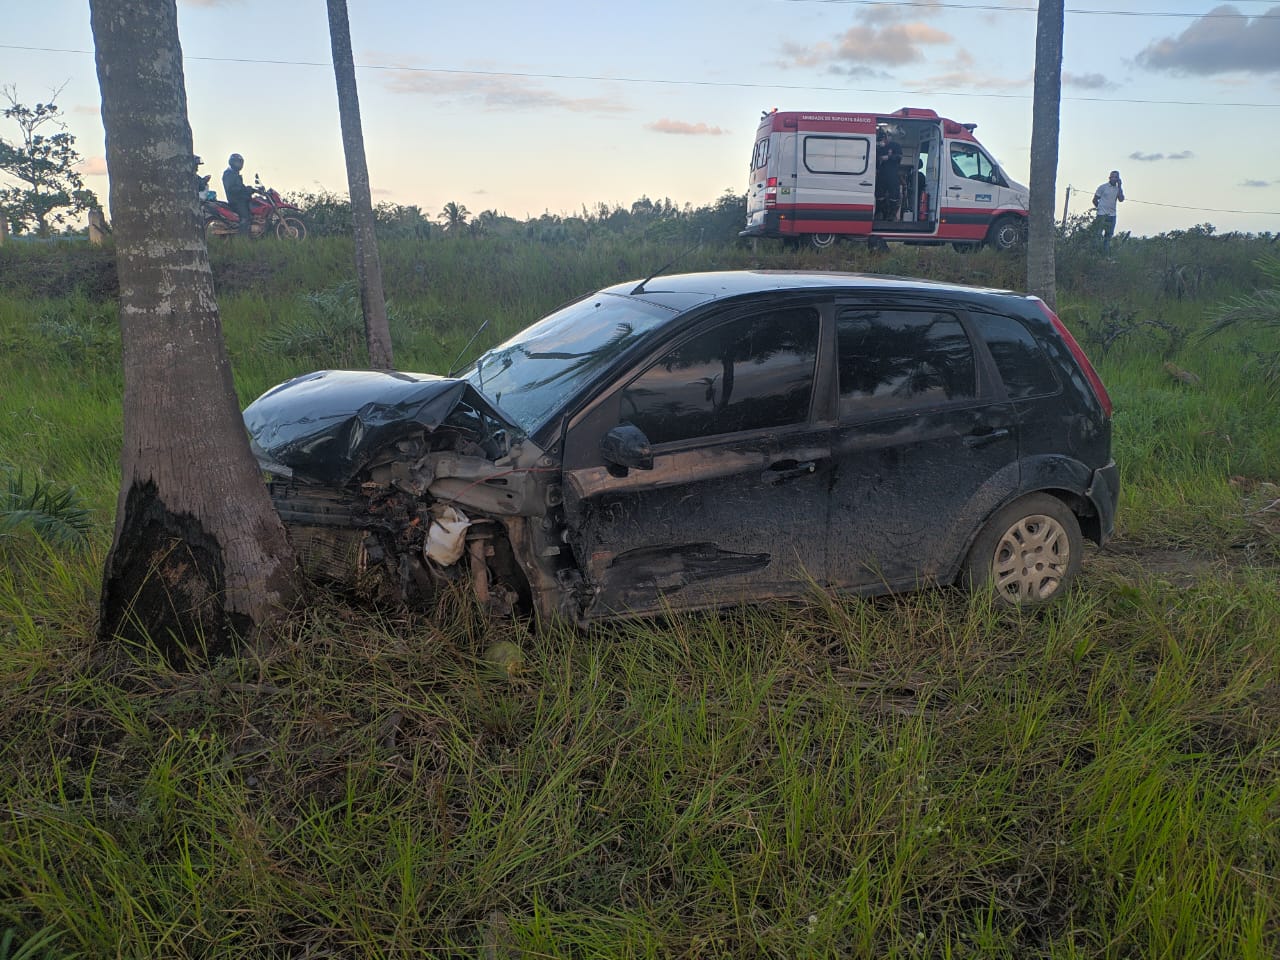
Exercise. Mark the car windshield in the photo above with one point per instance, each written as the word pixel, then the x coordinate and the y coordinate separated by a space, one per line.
pixel 532 375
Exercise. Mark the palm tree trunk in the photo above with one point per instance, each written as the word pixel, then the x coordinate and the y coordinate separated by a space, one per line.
pixel 377 332
pixel 199 560
pixel 1041 266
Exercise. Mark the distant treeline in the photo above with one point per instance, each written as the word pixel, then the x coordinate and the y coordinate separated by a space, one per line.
pixel 718 222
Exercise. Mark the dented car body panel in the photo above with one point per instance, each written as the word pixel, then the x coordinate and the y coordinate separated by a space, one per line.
pixel 691 442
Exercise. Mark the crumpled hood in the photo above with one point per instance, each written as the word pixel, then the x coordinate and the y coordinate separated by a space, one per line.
pixel 327 425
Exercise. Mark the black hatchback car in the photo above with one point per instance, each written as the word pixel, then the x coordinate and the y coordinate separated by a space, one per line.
pixel 709 439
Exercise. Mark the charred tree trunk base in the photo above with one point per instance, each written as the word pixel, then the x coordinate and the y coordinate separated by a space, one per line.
pixel 166 571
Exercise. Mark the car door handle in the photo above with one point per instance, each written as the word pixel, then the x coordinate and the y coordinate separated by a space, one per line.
pixel 955 189
pixel 788 470
pixel 989 436
pixel 865 183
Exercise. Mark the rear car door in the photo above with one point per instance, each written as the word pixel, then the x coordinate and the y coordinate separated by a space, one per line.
pixel 735 505
pixel 761 194
pixel 925 445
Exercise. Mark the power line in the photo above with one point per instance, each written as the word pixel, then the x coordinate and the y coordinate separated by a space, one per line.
pixel 1178 206
pixel 1001 8
pixel 741 85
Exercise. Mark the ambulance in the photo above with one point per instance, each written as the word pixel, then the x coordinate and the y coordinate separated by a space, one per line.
pixel 820 177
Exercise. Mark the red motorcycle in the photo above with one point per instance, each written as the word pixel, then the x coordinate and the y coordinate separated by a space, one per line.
pixel 267 212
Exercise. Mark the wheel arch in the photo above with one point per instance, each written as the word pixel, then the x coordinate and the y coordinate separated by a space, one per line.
pixel 999 492
pixel 1005 217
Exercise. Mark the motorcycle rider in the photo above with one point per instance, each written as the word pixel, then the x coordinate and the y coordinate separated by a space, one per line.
pixel 237 193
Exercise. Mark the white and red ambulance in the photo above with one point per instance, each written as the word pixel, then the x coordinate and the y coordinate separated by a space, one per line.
pixel 820 177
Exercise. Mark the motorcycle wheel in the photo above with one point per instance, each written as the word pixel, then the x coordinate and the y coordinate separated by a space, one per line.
pixel 213 227
pixel 291 228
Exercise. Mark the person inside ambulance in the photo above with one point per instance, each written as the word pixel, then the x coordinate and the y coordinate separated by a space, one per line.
pixel 888 176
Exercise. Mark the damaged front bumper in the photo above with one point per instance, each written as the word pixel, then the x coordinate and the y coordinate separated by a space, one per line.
pixel 396 484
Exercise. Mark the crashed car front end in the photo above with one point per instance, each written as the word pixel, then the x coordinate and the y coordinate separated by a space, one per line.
pixel 397 485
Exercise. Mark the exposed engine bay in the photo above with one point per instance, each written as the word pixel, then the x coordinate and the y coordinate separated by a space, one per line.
pixel 420 488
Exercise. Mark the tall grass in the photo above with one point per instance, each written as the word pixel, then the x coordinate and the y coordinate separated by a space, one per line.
pixel 922 776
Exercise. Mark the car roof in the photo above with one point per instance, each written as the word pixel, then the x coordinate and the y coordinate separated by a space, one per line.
pixel 682 291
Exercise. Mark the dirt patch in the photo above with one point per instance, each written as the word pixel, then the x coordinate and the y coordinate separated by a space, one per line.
pixel 1179 567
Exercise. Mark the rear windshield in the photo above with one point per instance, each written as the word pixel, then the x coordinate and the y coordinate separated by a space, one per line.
pixel 534 374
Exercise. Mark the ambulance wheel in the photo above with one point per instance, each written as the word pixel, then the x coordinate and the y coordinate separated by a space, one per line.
pixel 821 241
pixel 1007 233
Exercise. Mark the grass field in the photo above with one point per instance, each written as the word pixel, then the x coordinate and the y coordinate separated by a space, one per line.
pixel 915 776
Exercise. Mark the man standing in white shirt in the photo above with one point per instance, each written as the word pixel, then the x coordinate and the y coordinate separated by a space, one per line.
pixel 1105 199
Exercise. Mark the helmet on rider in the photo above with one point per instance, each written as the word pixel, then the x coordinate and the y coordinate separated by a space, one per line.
pixel 235 161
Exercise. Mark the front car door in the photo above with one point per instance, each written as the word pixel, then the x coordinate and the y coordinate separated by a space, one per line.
pixel 973 191
pixel 735 505
pixel 925 446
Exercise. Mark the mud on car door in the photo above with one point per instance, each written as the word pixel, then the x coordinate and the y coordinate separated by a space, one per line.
pixel 719 493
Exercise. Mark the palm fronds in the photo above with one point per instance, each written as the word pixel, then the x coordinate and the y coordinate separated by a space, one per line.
pixel 1261 308
pixel 52 512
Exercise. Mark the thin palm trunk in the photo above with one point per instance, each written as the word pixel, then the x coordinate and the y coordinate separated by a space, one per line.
pixel 1041 266
pixel 377 331
pixel 199 561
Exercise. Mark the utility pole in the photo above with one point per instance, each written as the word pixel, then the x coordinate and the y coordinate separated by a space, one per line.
pixel 1065 204
pixel 368 264
pixel 1046 103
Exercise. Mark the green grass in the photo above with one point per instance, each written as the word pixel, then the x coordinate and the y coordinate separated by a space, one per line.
pixel 918 776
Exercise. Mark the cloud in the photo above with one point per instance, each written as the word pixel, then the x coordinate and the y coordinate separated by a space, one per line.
pixel 1086 81
pixel 1255 183
pixel 496 92
pixel 891 46
pixel 967 79
pixel 962 71
pixel 894 13
pixel 1154 157
pixel 93 166
pixel 680 126
pixel 1223 41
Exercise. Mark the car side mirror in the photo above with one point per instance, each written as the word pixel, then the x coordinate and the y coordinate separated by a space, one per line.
pixel 626 446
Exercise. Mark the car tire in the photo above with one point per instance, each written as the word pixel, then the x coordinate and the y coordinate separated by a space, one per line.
pixel 1027 554
pixel 821 241
pixel 1007 233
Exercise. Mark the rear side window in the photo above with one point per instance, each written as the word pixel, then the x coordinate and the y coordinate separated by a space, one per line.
pixel 896 360
pixel 753 373
pixel 836 154
pixel 761 155
pixel 1023 366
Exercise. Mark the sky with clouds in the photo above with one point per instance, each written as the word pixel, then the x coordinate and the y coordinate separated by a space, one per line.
pixel 531 108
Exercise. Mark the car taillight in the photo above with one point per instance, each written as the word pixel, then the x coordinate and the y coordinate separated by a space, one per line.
pixel 771 192
pixel 1091 374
